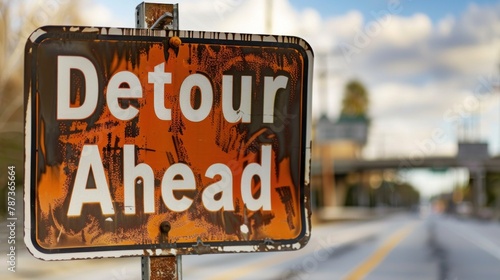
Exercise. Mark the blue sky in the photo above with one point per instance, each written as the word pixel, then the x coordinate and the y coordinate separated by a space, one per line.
pixel 434 9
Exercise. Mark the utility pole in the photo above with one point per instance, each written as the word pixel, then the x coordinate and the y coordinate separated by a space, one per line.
pixel 269 16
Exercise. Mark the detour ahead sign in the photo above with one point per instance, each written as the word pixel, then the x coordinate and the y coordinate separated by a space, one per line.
pixel 142 142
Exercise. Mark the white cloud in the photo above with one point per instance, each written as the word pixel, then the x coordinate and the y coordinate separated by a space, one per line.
pixel 470 59
pixel 204 15
pixel 481 23
pixel 99 15
pixel 343 27
pixel 241 16
pixel 404 32
pixel 445 26
pixel 311 21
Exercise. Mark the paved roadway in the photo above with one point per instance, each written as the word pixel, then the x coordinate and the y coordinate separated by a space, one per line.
pixel 403 246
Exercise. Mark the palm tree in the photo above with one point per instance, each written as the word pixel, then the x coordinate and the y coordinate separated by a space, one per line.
pixel 355 101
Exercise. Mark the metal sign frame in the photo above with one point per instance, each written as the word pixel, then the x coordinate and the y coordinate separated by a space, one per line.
pixel 200 246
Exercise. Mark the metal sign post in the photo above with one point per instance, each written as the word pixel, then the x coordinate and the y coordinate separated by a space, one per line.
pixel 162 17
pixel 165 267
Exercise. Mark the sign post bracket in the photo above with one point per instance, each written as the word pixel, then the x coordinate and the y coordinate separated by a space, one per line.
pixel 159 267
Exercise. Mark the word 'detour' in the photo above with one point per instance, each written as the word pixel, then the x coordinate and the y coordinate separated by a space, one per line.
pixel 116 91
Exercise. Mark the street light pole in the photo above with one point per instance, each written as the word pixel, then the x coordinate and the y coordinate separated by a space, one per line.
pixel 269 16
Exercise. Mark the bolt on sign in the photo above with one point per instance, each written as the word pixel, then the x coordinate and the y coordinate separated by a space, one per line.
pixel 146 142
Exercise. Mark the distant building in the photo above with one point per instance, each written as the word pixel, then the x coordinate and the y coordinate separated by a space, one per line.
pixel 343 138
pixel 334 140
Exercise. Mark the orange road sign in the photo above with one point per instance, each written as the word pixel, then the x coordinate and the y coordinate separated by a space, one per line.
pixel 142 142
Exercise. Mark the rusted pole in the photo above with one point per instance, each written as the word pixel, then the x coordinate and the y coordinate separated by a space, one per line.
pixel 159 267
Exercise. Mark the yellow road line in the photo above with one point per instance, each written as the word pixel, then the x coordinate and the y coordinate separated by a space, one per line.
pixel 376 258
pixel 270 261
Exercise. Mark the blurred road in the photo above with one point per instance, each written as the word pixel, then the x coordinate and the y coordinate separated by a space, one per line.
pixel 400 246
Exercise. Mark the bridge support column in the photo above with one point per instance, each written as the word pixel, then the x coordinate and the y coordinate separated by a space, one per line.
pixel 477 178
pixel 328 182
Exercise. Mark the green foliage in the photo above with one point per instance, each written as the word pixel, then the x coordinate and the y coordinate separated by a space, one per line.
pixel 392 194
pixel 493 189
pixel 355 101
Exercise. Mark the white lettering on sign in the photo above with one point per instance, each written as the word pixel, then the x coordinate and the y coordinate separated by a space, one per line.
pixel 159 78
pixel 90 161
pixel 169 184
pixel 263 171
pixel 207 96
pixel 177 178
pixel 116 92
pixel 130 173
pixel 243 113
pixel 224 186
pixel 64 109
pixel 271 87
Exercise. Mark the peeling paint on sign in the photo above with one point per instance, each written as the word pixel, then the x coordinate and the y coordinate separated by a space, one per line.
pixel 143 142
